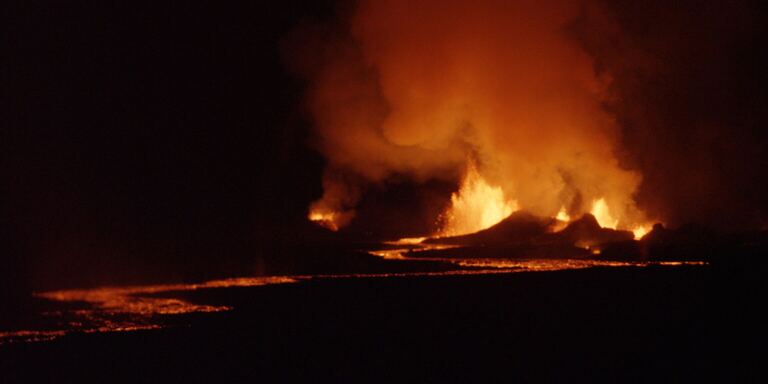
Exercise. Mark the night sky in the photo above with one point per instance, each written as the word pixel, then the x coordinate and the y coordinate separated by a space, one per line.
pixel 145 141
pixel 145 134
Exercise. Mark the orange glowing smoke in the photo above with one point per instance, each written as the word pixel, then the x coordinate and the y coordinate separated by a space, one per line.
pixel 326 219
pixel 333 211
pixel 476 206
pixel 414 88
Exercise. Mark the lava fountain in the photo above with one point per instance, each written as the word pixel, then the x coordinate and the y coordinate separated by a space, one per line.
pixel 476 206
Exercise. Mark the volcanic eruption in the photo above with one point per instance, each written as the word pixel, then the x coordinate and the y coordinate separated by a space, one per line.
pixel 369 190
pixel 496 96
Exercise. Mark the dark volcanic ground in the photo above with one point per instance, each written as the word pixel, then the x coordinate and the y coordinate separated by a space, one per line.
pixel 635 324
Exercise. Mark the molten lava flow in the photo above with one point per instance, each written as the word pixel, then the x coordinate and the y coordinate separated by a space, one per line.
pixel 476 206
pixel 603 215
pixel 408 241
pixel 562 215
pixel 132 308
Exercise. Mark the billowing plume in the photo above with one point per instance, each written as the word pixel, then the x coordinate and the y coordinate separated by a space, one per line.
pixel 424 88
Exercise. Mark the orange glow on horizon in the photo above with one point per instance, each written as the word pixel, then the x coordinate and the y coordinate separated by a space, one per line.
pixel 602 214
pixel 324 219
pixel 640 231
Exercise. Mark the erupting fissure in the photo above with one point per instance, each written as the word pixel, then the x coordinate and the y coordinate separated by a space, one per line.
pixel 414 89
pixel 603 215
pixel 476 206
pixel 324 219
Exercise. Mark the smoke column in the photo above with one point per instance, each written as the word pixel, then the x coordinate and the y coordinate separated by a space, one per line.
pixel 424 88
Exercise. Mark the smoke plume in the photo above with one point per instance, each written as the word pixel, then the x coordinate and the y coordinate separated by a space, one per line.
pixel 425 88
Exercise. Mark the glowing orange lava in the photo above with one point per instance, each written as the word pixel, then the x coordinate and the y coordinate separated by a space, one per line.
pixel 134 299
pixel 126 309
pixel 603 215
pixel 641 230
pixel 476 206
pixel 132 308
pixel 605 219
pixel 408 240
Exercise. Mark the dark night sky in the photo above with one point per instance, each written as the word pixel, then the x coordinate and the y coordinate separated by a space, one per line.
pixel 143 140
pixel 145 134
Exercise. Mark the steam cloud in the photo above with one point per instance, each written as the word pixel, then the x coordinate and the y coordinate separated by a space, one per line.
pixel 421 88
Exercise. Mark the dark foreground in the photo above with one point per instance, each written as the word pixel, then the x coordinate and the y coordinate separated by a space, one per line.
pixel 652 324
